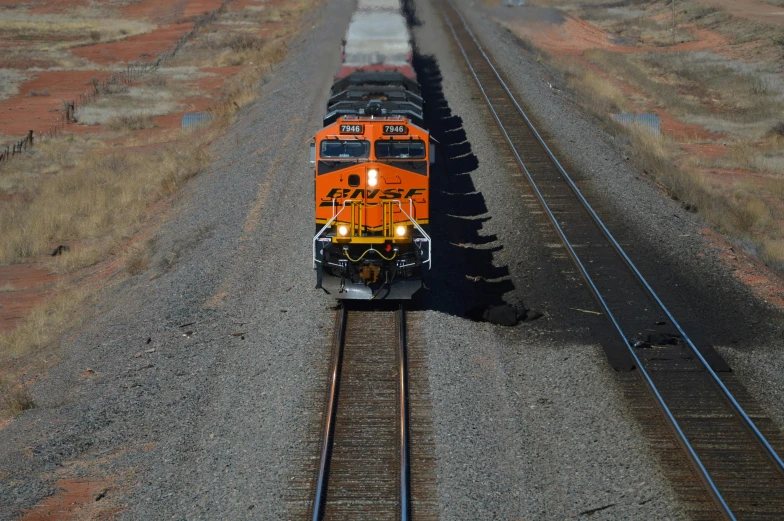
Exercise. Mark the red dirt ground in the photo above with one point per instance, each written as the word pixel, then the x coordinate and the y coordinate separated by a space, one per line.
pixel 765 284
pixel 751 9
pixel 22 113
pixel 574 36
pixel 30 284
pixel 710 150
pixel 76 499
pixel 39 113
pixel 144 47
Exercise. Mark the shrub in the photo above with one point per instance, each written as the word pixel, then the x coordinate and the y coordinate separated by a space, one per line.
pixel 136 121
pixel 15 399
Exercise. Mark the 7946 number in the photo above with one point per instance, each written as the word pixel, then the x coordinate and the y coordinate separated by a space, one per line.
pixel 395 129
pixel 351 129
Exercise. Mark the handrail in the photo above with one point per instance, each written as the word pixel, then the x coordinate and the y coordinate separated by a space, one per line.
pixel 327 225
pixel 335 215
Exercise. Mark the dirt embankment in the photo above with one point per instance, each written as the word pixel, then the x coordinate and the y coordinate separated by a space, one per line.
pixel 79 211
pixel 76 210
pixel 711 72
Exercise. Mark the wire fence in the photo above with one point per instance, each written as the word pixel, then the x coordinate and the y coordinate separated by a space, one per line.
pixel 130 74
pixel 16 148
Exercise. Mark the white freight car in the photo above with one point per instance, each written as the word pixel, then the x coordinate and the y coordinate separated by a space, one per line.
pixel 376 37
pixel 378 5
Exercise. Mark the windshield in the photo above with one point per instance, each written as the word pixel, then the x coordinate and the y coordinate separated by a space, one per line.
pixel 344 149
pixel 400 149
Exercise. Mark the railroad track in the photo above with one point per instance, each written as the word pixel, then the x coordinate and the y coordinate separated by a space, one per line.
pixel 735 451
pixel 364 470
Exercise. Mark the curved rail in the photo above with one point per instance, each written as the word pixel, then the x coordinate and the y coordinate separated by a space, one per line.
pixel 595 290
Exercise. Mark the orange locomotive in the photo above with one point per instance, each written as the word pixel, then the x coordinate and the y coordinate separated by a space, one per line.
pixel 372 207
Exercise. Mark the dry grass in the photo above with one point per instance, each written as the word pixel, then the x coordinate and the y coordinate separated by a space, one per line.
pixel 774 253
pixel 14 398
pixel 604 96
pixel 46 322
pixel 9 83
pixel 138 258
pixel 134 121
pixel 79 256
pixel 104 193
pixel 133 108
pixel 745 212
pixel 49 31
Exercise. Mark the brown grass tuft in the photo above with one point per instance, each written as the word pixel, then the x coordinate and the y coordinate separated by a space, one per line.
pixel 778 129
pixel 773 253
pixel 138 260
pixel 135 121
pixel 14 398
pixel 603 95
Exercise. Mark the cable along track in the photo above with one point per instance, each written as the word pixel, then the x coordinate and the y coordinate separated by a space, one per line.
pixel 732 450
pixel 364 469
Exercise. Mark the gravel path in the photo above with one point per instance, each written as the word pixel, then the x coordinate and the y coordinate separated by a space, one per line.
pixel 530 422
pixel 196 423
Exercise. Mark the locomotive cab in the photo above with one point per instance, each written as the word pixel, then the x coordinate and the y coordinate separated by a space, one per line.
pixel 372 187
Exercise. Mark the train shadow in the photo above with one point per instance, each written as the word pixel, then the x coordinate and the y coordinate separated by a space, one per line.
pixel 463 278
pixel 409 13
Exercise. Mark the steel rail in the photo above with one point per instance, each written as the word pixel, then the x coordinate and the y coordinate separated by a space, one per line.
pixel 649 382
pixel 405 472
pixel 326 445
pixel 727 394
pixel 320 500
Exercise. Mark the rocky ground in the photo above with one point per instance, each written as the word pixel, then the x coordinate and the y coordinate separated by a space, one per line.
pixel 198 392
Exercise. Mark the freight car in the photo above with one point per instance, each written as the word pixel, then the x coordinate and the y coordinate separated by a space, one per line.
pixel 379 5
pixel 377 41
pixel 372 167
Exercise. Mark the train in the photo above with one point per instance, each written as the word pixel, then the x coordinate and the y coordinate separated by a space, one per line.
pixel 372 162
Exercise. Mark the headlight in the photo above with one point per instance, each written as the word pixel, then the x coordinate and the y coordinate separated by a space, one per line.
pixel 400 231
pixel 342 230
pixel 372 177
